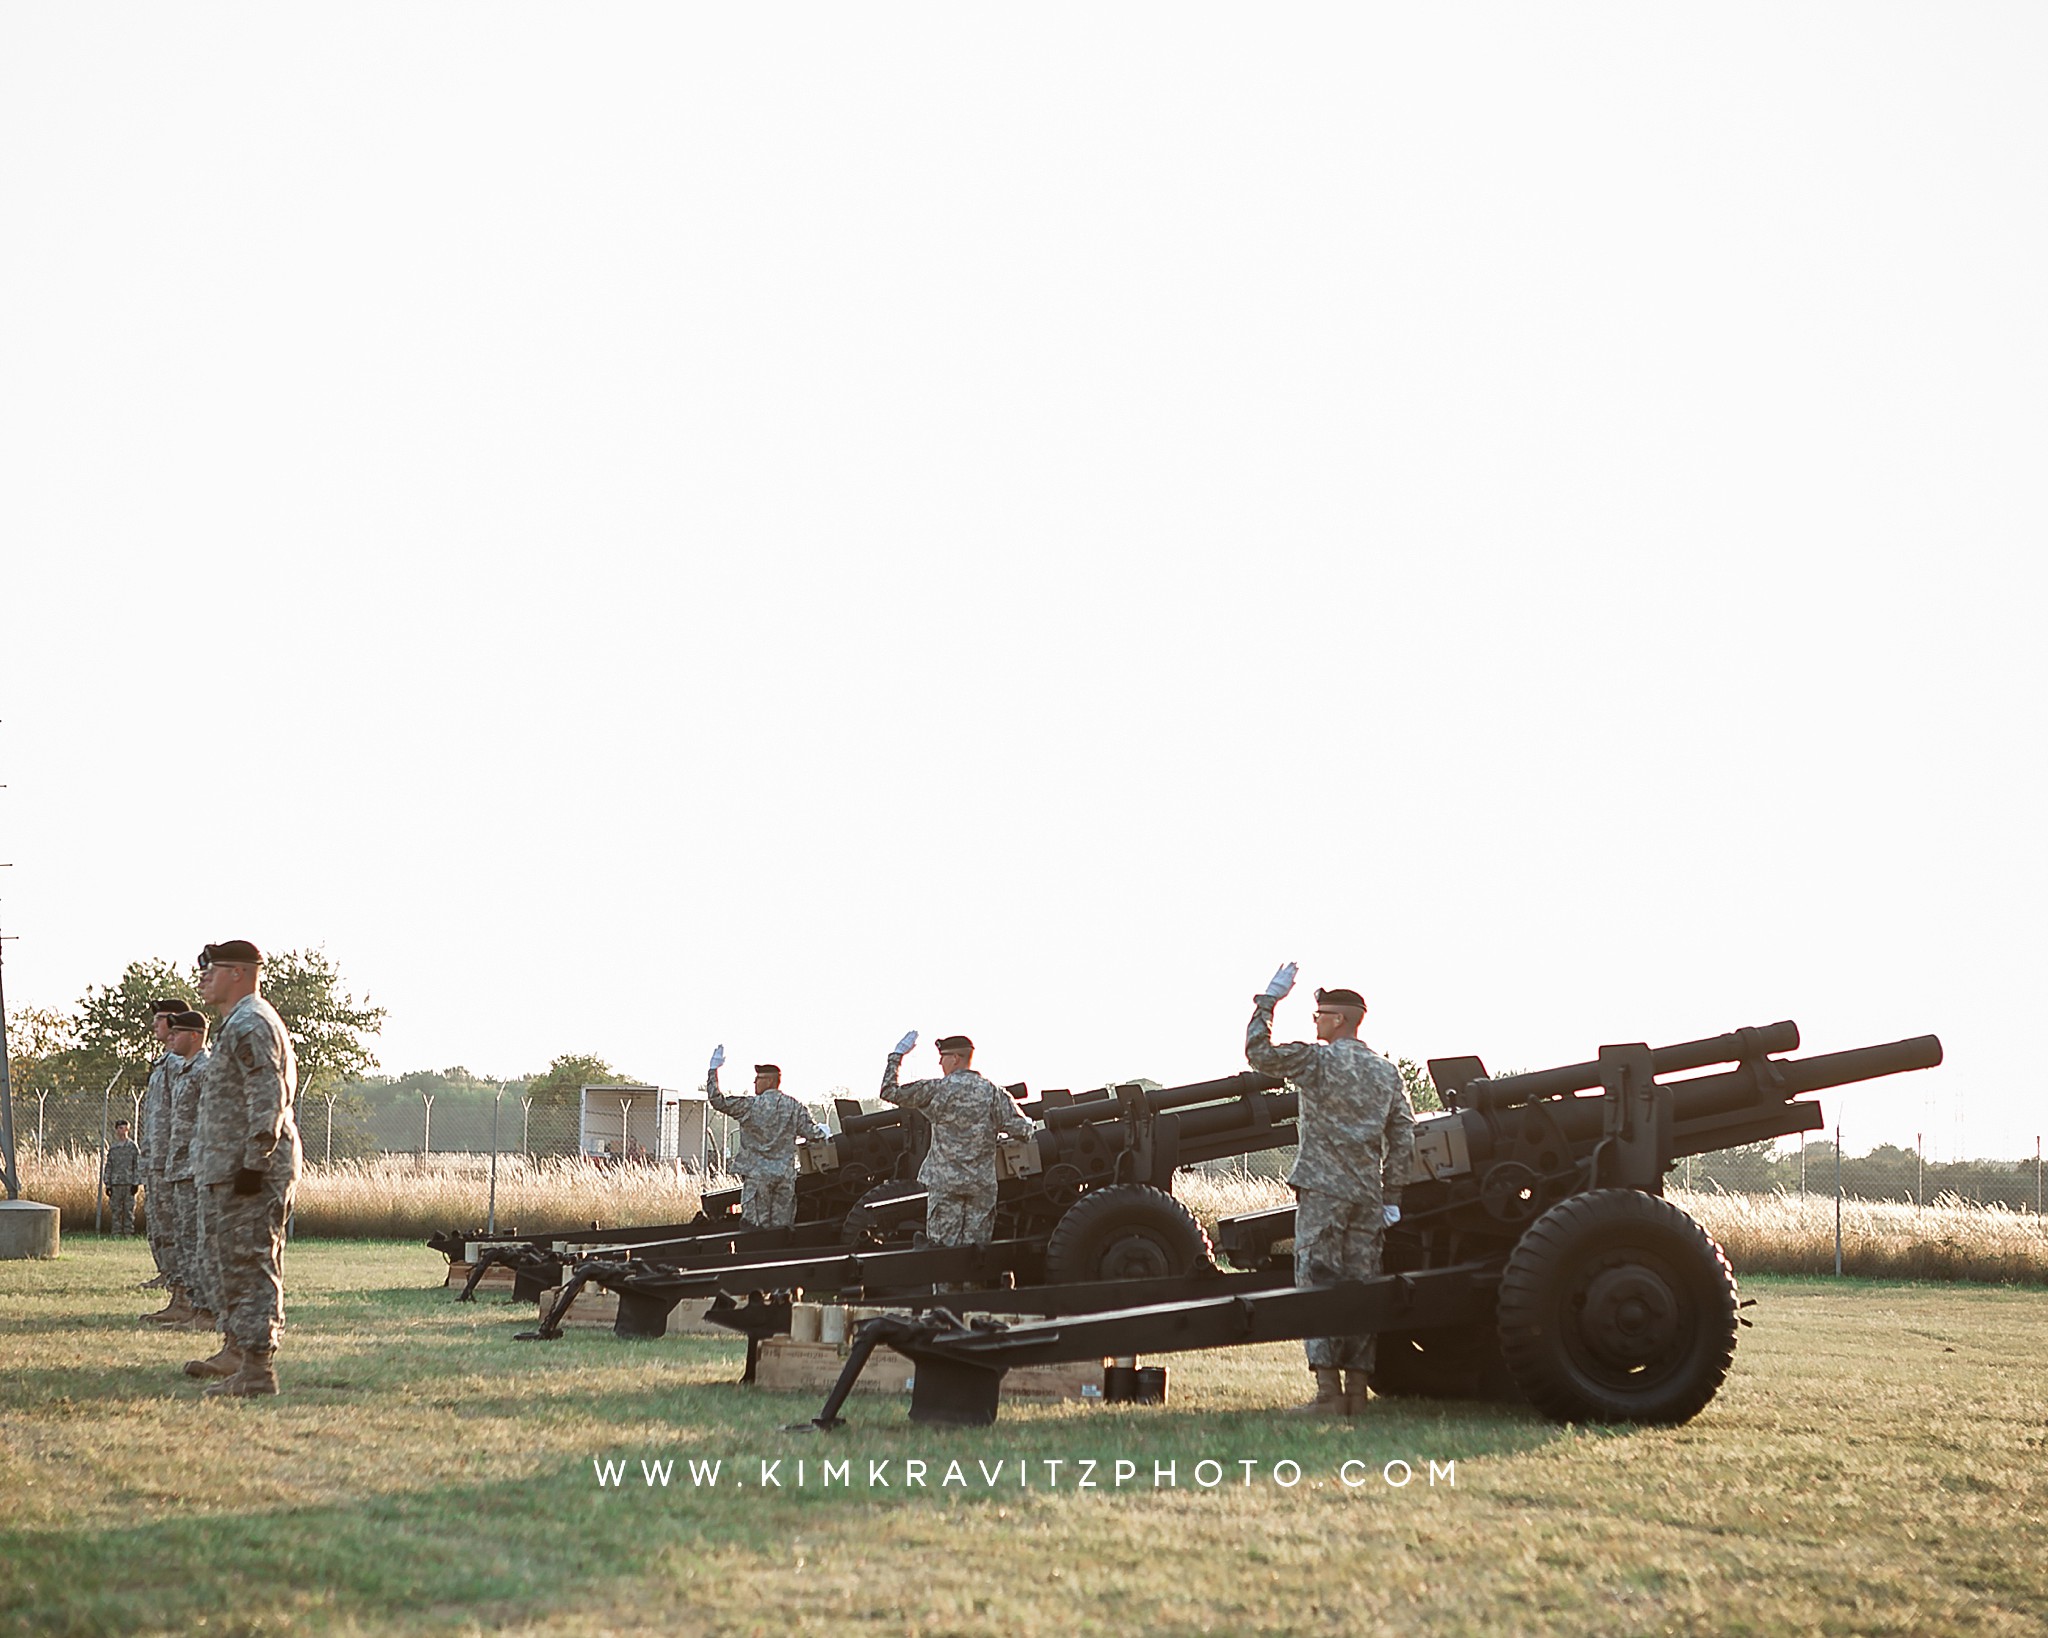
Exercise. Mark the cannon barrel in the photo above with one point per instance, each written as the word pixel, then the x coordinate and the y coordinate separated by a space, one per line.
pixel 1231 1087
pixel 1669 1060
pixel 1786 1079
pixel 874 1121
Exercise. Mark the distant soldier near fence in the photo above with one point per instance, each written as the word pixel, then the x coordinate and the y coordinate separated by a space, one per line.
pixel 120 1176
pixel 188 1042
pixel 968 1113
pixel 246 1160
pixel 769 1122
pixel 1357 1147
pixel 155 1120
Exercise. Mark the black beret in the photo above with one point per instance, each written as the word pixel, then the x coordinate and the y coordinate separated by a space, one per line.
pixel 1340 998
pixel 167 1005
pixel 767 1069
pixel 237 950
pixel 189 1020
pixel 953 1043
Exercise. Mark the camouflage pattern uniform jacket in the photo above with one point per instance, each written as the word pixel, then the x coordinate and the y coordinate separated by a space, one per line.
pixel 769 1125
pixel 186 1080
pixel 153 1120
pixel 967 1111
pixel 122 1168
pixel 1357 1126
pixel 245 1101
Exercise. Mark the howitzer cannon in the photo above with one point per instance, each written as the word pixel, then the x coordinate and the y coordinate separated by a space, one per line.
pixel 1535 1257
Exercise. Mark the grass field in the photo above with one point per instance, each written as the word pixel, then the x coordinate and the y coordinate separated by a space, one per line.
pixel 1875 1465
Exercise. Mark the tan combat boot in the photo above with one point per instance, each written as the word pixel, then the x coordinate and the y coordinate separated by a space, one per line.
pixel 225 1363
pixel 257 1376
pixel 1357 1395
pixel 175 1312
pixel 203 1319
pixel 1329 1399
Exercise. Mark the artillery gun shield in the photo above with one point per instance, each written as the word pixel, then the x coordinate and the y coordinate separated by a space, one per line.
pixel 1617 1307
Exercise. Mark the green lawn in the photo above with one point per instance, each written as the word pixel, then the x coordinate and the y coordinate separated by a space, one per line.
pixel 1875 1465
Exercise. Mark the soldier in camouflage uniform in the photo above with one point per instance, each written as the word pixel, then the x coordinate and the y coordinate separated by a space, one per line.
pixel 770 1122
pixel 246 1159
pixel 188 1041
pixel 120 1174
pixel 968 1112
pixel 1357 1147
pixel 154 1119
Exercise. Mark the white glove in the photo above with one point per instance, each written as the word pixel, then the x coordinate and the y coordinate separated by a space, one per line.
pixel 905 1044
pixel 717 1057
pixel 1283 981
pixel 1392 1214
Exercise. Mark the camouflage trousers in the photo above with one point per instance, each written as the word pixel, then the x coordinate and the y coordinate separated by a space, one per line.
pixel 186 1235
pixel 156 1222
pixel 244 1239
pixel 1337 1240
pixel 955 1217
pixel 768 1202
pixel 121 1206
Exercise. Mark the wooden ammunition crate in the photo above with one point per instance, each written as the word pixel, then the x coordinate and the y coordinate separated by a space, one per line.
pixel 813 1367
pixel 496 1278
pixel 595 1306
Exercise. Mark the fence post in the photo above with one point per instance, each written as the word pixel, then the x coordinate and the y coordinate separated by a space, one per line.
pixel 99 1189
pixel 491 1214
pixel 2037 1178
pixel 427 1124
pixel 525 1121
pixel 1838 1202
pixel 1919 1171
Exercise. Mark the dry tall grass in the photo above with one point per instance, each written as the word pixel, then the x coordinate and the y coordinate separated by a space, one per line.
pixel 408 1197
pixel 1947 1239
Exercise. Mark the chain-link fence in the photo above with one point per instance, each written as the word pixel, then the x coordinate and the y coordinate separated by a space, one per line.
pixel 347 1128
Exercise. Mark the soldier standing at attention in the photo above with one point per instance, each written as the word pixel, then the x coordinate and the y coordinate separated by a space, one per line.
pixel 188 1042
pixel 1357 1147
pixel 246 1160
pixel 120 1173
pixel 968 1112
pixel 769 1124
pixel 155 1120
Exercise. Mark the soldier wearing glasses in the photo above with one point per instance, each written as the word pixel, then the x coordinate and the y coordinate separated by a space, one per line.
pixel 246 1161
pixel 968 1112
pixel 1357 1146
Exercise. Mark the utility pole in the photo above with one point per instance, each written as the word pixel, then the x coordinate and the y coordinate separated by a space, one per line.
pixel 9 1176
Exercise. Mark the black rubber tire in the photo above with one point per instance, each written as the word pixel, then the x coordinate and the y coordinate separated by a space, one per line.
pixel 1128 1231
pixel 1456 1362
pixel 888 1211
pixel 1617 1307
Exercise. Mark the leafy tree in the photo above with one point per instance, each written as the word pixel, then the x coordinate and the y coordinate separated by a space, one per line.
pixel 328 1026
pixel 1421 1089
pixel 568 1075
pixel 114 1033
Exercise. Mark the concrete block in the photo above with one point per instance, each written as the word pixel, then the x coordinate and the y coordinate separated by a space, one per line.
pixel 27 1229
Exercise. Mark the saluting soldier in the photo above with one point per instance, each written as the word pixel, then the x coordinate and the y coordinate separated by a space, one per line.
pixel 246 1161
pixel 188 1043
pixel 968 1113
pixel 120 1175
pixel 154 1118
pixel 764 1154
pixel 1357 1148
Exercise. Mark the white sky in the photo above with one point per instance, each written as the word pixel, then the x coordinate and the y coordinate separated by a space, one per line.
pixel 669 525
